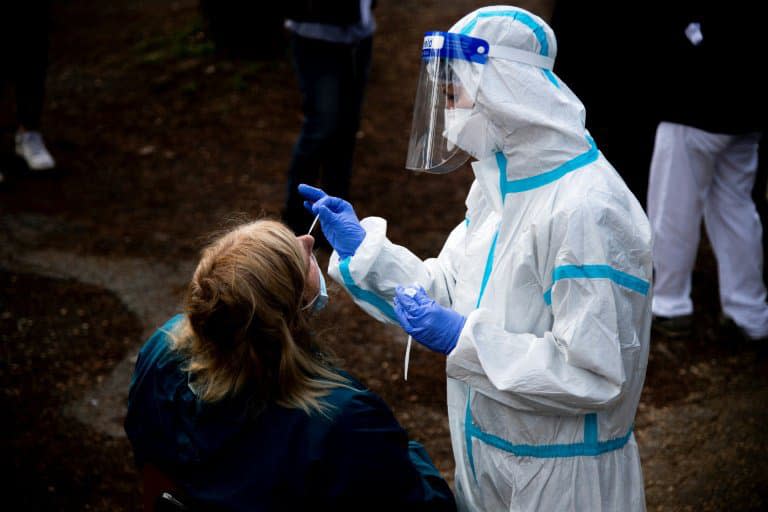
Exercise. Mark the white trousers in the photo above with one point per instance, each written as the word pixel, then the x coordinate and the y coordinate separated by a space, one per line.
pixel 695 173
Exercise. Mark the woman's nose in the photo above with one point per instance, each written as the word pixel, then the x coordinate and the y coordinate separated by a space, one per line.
pixel 307 241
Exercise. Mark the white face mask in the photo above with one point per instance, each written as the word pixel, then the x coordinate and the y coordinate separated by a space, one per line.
pixel 470 131
pixel 455 118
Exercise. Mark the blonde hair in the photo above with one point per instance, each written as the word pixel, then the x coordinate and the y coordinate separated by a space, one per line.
pixel 245 325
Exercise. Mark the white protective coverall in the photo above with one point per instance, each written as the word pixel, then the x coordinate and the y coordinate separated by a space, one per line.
pixel 551 268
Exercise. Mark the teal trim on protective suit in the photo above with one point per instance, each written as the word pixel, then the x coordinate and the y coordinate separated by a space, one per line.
pixel 551 76
pixel 524 184
pixel 590 428
pixel 488 268
pixel 364 295
pixel 520 16
pixel 635 284
pixel 526 20
pixel 551 451
pixel 468 435
pixel 501 163
pixel 590 447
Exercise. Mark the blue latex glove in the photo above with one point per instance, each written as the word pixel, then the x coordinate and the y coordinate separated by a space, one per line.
pixel 337 220
pixel 431 324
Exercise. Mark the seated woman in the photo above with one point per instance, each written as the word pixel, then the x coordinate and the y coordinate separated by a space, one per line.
pixel 237 405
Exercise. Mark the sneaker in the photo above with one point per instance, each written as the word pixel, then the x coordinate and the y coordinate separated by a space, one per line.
pixel 673 327
pixel 30 147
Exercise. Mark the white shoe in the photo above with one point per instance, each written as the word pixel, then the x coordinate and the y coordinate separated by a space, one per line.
pixel 30 147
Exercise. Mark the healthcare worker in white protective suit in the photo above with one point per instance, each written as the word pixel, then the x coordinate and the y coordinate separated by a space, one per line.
pixel 540 297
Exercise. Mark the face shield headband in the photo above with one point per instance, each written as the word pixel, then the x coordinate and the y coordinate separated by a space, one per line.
pixel 451 67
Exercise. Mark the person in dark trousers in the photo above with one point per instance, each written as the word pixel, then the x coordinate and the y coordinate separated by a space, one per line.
pixel 235 403
pixel 331 51
pixel 24 35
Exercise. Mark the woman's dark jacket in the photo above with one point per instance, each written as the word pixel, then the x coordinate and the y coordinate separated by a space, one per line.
pixel 235 455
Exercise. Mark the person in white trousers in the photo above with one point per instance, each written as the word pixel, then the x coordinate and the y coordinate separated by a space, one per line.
pixel 695 174
pixel 705 162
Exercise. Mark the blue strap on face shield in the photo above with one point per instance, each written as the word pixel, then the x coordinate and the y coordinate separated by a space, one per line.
pixel 448 45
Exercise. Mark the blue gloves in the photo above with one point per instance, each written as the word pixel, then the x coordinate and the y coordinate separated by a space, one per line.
pixel 431 324
pixel 337 220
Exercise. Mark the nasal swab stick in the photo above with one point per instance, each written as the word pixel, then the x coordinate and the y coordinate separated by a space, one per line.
pixel 410 291
pixel 313 224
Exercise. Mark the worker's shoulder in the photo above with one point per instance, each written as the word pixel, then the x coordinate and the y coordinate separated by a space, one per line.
pixel 600 203
pixel 597 188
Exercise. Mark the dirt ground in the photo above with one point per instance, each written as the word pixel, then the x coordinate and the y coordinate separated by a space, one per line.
pixel 160 140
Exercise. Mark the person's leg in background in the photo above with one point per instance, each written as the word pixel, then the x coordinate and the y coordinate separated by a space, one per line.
pixel 680 177
pixel 320 68
pixel 29 71
pixel 734 228
pixel 760 193
pixel 337 166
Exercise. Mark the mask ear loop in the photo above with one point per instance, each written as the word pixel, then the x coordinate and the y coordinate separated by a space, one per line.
pixel 310 303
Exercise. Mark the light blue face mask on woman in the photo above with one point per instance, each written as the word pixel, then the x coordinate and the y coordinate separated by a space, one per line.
pixel 321 299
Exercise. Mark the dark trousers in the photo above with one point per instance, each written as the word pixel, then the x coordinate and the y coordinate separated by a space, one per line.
pixel 24 57
pixel 332 79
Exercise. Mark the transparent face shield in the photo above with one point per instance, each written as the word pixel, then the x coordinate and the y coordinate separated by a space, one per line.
pixel 445 95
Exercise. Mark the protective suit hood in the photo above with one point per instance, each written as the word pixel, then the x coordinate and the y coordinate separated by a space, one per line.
pixel 534 119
